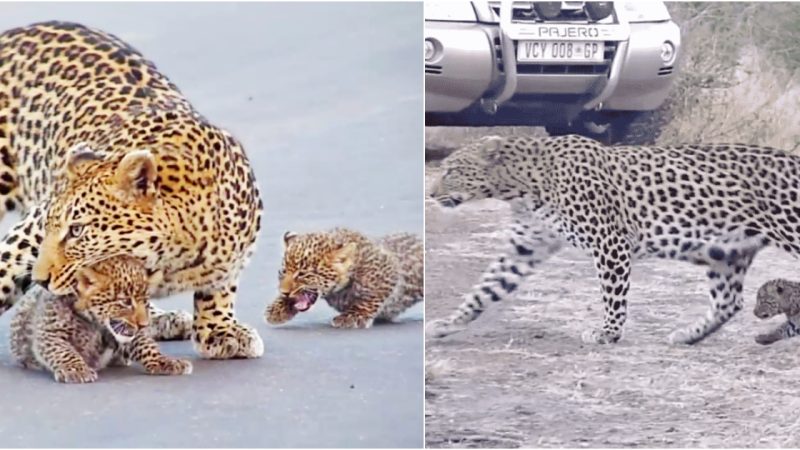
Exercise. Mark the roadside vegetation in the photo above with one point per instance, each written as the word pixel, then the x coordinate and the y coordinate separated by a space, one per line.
pixel 739 74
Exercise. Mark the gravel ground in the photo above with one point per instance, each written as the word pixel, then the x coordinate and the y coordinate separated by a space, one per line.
pixel 521 377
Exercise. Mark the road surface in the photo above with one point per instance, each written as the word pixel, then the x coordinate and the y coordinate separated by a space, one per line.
pixel 327 100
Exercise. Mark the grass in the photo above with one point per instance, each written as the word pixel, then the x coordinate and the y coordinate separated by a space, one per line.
pixel 739 74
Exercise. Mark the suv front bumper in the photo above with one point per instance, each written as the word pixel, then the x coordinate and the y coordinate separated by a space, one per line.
pixel 468 68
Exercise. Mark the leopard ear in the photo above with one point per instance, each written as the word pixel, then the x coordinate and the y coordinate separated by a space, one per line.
pixel 136 175
pixel 490 149
pixel 79 154
pixel 287 238
pixel 344 258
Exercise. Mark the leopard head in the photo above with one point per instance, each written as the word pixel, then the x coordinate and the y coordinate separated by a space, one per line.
pixel 771 298
pixel 114 294
pixel 473 172
pixel 314 265
pixel 103 206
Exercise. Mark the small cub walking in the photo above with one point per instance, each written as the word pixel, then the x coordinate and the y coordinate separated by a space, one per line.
pixel 361 278
pixel 73 336
pixel 779 297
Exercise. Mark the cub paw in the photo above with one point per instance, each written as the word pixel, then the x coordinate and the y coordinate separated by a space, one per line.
pixel 278 312
pixel 171 326
pixel 169 366
pixel 351 321
pixel 599 337
pixel 74 375
pixel 234 341
pixel 766 339
pixel 441 328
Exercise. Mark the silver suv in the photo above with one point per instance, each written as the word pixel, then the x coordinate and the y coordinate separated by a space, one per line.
pixel 601 69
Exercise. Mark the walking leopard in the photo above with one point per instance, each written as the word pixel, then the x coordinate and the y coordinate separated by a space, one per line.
pixel 712 205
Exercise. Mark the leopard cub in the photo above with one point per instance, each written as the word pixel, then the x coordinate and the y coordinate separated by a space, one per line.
pixel 364 279
pixel 776 297
pixel 105 322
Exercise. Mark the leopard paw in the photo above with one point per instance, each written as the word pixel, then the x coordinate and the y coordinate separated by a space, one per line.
pixel 233 341
pixel 441 328
pixel 599 337
pixel 169 366
pixel 347 320
pixel 75 374
pixel 171 326
pixel 766 339
pixel 279 312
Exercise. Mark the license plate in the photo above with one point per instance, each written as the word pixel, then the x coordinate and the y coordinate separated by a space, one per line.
pixel 560 51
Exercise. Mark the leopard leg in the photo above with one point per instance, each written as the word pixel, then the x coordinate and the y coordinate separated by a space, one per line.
pixel 280 311
pixel 144 350
pixel 216 333
pixel 726 272
pixel 9 182
pixel 529 247
pixel 786 330
pixel 169 325
pixel 18 251
pixel 63 360
pixel 613 262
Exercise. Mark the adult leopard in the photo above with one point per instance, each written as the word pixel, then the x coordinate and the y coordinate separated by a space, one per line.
pixel 105 157
pixel 714 205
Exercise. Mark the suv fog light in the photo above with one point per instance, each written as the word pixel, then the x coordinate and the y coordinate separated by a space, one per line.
pixel 547 10
pixel 599 10
pixel 430 50
pixel 667 52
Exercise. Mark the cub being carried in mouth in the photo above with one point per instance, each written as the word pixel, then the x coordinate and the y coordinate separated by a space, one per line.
pixel 73 336
pixel 361 278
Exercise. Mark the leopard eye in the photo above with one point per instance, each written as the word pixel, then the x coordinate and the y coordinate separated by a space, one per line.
pixel 76 230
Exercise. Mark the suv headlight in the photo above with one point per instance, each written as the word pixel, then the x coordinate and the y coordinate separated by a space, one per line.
pixel 643 11
pixel 460 11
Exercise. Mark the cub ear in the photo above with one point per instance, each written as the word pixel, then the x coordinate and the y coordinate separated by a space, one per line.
pixel 344 258
pixel 86 279
pixel 136 175
pixel 489 148
pixel 287 237
pixel 79 154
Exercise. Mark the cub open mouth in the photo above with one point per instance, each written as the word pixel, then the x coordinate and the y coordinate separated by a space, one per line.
pixel 305 300
pixel 121 328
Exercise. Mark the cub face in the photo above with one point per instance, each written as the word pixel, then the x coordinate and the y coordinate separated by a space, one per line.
pixel 770 299
pixel 313 266
pixel 114 293
pixel 105 208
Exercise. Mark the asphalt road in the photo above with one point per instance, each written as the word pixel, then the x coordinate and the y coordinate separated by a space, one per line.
pixel 327 99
